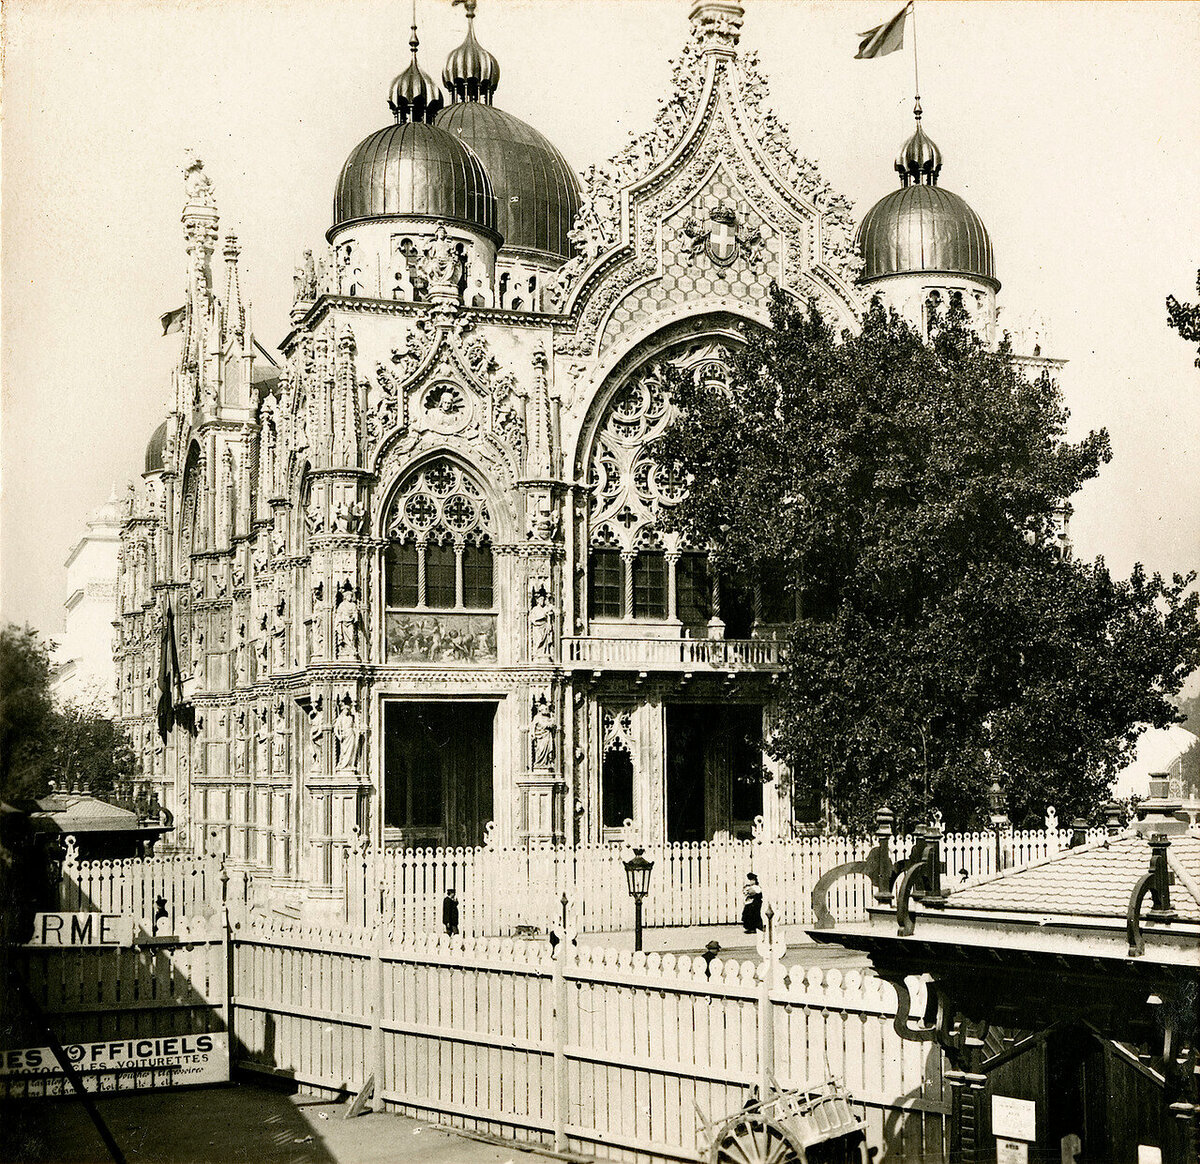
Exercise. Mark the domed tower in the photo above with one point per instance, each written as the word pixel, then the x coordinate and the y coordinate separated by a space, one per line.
pixel 537 192
pixel 924 247
pixel 414 212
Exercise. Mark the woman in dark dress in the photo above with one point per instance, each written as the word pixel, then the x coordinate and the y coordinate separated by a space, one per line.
pixel 752 910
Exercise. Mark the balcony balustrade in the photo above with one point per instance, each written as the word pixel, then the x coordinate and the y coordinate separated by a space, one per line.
pixel 657 654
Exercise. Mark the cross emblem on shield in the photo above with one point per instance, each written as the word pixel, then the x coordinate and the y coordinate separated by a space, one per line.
pixel 722 242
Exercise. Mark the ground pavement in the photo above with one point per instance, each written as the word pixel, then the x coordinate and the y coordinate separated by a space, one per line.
pixel 234 1125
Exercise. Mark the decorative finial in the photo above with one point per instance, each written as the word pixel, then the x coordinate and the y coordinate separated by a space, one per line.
pixel 917 108
pixel 471 72
pixel 414 95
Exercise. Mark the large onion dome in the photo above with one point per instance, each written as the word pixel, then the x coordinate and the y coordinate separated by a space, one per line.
pixel 537 192
pixel 156 449
pixel 413 168
pixel 922 227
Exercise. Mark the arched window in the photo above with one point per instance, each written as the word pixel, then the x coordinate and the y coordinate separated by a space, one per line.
pixel 636 571
pixel 439 554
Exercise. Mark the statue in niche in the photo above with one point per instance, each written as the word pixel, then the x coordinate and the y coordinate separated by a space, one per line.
pixel 262 738
pixel 198 587
pixel 314 518
pixel 348 516
pixel 260 557
pixel 318 633
pixel 278 543
pixel 279 744
pixel 315 730
pixel 239 744
pixel 241 652
pixel 346 622
pixel 541 625
pixel 239 573
pixel 443 263
pixel 347 736
pixel 279 646
pixel 541 735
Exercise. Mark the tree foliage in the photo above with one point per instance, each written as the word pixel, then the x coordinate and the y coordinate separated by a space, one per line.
pixel 39 741
pixel 1185 318
pixel 910 490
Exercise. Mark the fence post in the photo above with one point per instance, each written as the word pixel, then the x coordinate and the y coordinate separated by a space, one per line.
pixel 376 987
pixel 227 960
pixel 561 1095
pixel 766 1014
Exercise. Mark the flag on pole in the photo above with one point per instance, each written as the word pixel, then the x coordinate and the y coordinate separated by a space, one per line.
pixel 170 685
pixel 886 38
pixel 173 320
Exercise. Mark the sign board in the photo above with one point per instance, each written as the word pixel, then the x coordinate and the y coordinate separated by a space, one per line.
pixel 1149 1154
pixel 118 1065
pixel 1011 1151
pixel 82 929
pixel 1014 1119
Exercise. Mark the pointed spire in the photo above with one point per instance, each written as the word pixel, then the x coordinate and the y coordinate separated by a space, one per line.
pixel 471 72
pixel 919 161
pixel 414 95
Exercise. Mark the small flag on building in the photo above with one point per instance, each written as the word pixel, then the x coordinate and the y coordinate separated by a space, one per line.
pixel 173 320
pixel 884 39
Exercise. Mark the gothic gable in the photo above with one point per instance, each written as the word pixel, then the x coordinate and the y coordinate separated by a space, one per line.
pixel 710 208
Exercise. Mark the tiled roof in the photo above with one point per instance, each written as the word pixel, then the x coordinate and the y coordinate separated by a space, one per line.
pixel 1091 881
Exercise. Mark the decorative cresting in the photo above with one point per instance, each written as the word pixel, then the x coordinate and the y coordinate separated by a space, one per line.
pixel 439 503
pixel 628 488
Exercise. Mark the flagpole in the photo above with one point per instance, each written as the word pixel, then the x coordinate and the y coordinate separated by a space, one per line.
pixel 916 69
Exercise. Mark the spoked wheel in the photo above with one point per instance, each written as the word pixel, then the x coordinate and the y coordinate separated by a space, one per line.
pixel 752 1138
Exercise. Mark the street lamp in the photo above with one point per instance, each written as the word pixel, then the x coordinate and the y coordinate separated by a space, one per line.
pixel 999 818
pixel 637 873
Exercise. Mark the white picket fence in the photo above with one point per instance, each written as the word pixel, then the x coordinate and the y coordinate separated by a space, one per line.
pixel 596 1051
pixel 503 890
pixel 188 886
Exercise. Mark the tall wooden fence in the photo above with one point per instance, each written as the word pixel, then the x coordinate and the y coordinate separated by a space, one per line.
pixel 599 1051
pixel 501 890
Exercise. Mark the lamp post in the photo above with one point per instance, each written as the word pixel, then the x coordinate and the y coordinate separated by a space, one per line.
pixel 637 873
pixel 999 819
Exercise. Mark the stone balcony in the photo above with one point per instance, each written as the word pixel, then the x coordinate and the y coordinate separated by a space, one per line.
pixel 677 654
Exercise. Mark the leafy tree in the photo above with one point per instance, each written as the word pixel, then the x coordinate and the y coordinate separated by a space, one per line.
pixel 26 712
pixel 910 492
pixel 40 742
pixel 1185 319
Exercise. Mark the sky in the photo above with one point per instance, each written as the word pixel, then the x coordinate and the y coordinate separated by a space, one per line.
pixel 1072 128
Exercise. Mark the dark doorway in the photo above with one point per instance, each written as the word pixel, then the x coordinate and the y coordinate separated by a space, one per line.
pixel 713 769
pixel 437 772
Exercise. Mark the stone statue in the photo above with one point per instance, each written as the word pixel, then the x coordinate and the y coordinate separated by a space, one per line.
pixel 347 737
pixel 346 620
pixel 541 625
pixel 541 734
pixel 196 182
pixel 442 265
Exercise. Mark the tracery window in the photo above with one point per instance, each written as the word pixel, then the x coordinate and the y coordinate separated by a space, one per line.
pixel 636 570
pixel 439 559
pixel 439 555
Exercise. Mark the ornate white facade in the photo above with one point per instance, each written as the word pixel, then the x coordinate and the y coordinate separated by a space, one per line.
pixel 418 582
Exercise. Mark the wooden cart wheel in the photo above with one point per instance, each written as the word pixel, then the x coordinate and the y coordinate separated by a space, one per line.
pixel 751 1138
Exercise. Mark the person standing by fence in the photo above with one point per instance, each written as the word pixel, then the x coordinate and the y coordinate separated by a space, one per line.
pixel 752 909
pixel 450 913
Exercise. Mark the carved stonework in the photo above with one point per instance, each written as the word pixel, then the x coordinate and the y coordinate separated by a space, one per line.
pixel 543 727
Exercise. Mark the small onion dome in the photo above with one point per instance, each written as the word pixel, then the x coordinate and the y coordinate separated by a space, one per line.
pixel 922 227
pixel 919 160
pixel 414 95
pixel 156 450
pixel 537 192
pixel 414 169
pixel 471 72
